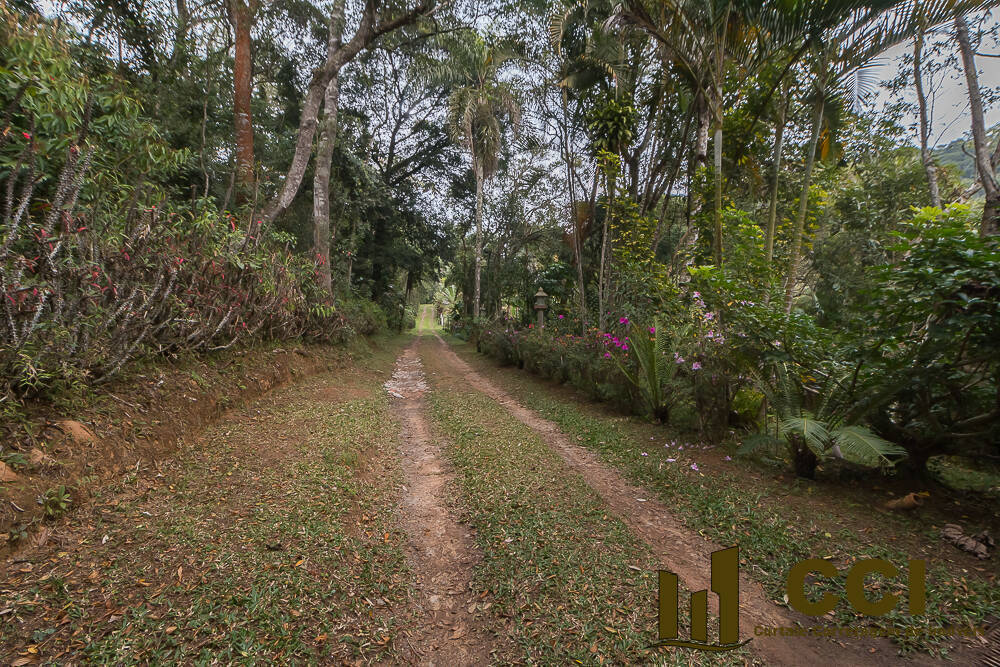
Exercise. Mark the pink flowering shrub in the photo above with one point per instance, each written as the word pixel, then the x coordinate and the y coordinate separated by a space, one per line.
pixel 651 368
pixel 582 361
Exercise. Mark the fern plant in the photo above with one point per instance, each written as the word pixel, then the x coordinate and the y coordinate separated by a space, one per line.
pixel 816 421
pixel 656 368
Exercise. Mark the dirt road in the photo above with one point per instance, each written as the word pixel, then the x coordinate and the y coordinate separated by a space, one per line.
pixel 401 510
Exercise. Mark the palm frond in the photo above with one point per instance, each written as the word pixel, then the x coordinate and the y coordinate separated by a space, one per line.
pixel 862 446
pixel 661 348
pixel 480 101
pixel 868 32
pixel 856 85
pixel 557 27
pixel 788 398
pixel 777 387
pixel 811 430
pixel 759 441
pixel 834 403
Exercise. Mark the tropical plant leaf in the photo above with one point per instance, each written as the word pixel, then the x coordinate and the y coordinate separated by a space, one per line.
pixel 860 445
pixel 813 431
pixel 758 441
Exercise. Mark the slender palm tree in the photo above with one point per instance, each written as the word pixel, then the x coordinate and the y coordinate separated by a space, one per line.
pixel 480 107
pixel 695 37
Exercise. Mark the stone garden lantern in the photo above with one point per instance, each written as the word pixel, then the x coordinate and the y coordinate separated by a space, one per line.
pixel 541 305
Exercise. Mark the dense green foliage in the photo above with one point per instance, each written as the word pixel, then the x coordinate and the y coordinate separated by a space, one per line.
pixel 959 154
pixel 104 259
pixel 861 325
pixel 729 236
pixel 122 235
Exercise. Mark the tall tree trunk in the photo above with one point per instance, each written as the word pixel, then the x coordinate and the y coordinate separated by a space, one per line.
pixel 991 210
pixel 241 18
pixel 701 137
pixel 322 236
pixel 720 61
pixel 800 221
pixel 578 251
pixel 479 237
pixel 700 158
pixel 575 215
pixel 772 213
pixel 601 317
pixel 324 158
pixel 181 29
pixel 925 153
pixel 607 231
pixel 303 150
pixel 717 232
pixel 350 253
pixel 201 147
pixel 694 203
pixel 602 296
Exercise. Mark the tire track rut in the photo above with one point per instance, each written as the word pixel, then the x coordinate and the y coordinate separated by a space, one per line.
pixel 441 550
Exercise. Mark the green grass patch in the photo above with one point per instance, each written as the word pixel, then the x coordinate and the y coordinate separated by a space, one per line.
pixel 272 538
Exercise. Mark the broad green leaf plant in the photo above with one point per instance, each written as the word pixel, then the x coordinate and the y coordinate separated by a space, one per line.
pixel 815 422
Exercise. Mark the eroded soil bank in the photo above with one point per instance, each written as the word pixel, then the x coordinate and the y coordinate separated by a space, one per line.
pixel 136 422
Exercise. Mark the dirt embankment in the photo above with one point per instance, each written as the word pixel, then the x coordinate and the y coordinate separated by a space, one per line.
pixel 132 424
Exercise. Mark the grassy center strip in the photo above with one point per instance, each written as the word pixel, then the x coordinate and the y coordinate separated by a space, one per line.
pixel 571 580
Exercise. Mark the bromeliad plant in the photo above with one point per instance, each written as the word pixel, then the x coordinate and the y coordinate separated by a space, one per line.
pixel 817 421
pixel 650 346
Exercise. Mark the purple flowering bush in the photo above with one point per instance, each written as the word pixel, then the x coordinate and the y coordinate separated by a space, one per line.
pixel 654 370
pixel 679 366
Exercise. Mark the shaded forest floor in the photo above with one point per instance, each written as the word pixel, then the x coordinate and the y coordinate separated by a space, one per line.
pixel 420 505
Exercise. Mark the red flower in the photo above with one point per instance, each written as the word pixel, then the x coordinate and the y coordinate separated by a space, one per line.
pixel 26 135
